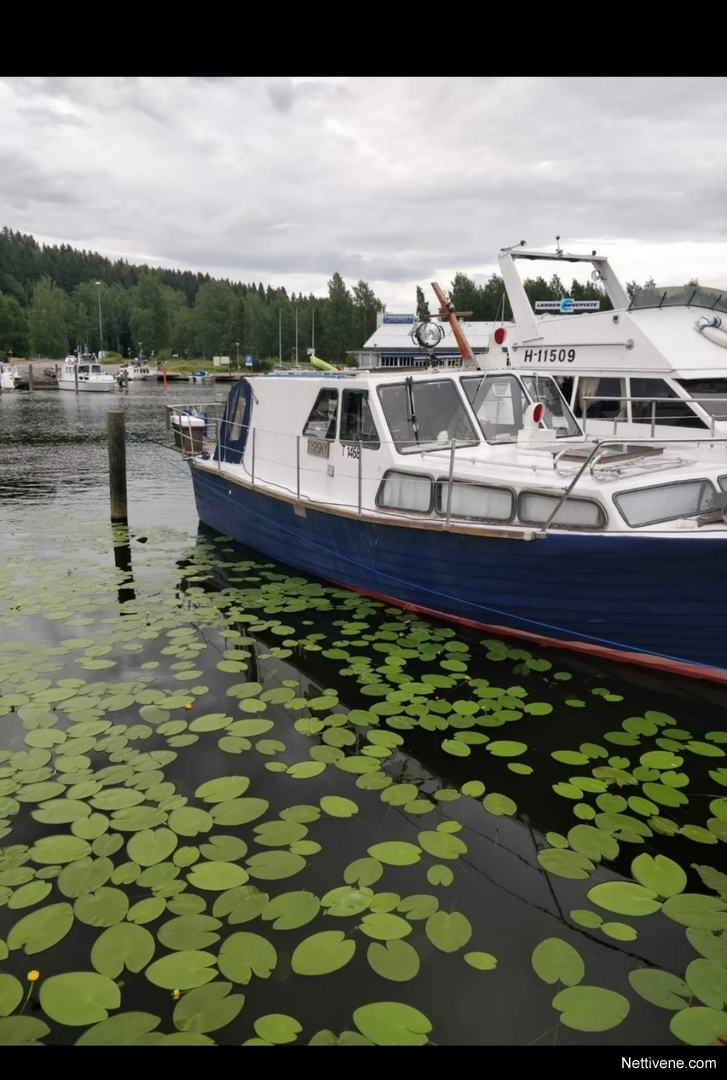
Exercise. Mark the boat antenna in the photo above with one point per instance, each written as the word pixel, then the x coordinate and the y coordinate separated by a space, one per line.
pixel 512 247
pixel 412 417
pixel 558 248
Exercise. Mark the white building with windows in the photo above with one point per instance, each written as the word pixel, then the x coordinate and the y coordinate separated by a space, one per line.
pixel 392 346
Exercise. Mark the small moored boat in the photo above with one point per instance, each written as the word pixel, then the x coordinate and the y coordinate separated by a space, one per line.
pixel 474 495
pixel 91 377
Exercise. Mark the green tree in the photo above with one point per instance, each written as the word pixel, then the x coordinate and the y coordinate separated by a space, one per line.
pixel 213 313
pixel 465 295
pixel 13 327
pixel 338 324
pixel 366 304
pixel 149 314
pixel 48 329
pixel 422 306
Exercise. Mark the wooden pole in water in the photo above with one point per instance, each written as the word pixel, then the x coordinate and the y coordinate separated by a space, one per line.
pixel 30 376
pixel 117 466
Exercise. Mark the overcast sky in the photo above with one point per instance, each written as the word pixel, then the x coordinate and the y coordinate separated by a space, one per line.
pixel 399 181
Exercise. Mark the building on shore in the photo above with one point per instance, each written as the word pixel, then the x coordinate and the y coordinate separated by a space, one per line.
pixel 392 345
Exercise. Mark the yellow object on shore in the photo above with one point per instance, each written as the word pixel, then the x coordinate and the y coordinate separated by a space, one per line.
pixel 322 365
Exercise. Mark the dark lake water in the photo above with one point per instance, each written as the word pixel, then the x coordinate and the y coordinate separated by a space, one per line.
pixel 500 845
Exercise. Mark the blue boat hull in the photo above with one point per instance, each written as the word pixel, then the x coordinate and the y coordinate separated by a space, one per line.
pixel 650 600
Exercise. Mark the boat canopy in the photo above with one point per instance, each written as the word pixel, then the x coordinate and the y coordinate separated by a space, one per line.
pixel 235 423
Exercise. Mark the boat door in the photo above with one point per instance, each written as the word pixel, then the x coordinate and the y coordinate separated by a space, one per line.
pixel 358 462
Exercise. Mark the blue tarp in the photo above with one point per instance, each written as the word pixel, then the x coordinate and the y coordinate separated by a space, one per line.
pixel 235 423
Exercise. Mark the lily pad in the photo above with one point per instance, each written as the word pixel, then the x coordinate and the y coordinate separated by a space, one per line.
pixel 124 1029
pixel 243 955
pixel 218 876
pixel 661 875
pixel 323 953
pixel 150 846
pixel 624 898
pixel 693 910
pixel 591 1008
pixel 395 853
pixel 390 1023
pixel 698 1026
pixel 554 960
pixel 207 1008
pixel 182 970
pixel 124 945
pixel 290 910
pixel 79 997
pixel 448 932
pixel 481 961
pixel 41 929
pixel 396 961
pixel 660 988
pixel 566 863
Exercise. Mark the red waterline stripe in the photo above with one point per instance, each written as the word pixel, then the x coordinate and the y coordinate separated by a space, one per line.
pixel 673 667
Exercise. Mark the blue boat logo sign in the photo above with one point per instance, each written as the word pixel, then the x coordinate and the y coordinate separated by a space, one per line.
pixel 567 305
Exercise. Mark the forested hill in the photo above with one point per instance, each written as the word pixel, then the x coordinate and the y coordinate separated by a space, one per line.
pixel 49 304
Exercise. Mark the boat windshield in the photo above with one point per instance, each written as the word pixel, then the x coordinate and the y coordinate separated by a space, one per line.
pixel 711 394
pixel 95 369
pixel 556 414
pixel 426 415
pixel 681 296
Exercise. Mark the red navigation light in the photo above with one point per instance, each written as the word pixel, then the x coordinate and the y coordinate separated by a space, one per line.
pixel 538 411
pixel 500 335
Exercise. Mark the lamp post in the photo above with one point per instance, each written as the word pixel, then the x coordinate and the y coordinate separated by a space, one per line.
pixel 100 324
pixel 139 352
pixel 237 346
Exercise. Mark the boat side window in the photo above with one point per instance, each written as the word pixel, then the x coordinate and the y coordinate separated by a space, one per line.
pixel 556 414
pixel 535 509
pixel 708 392
pixel 723 483
pixel 664 502
pixel 426 415
pixel 601 388
pixel 405 491
pixel 668 408
pixel 96 369
pixel 357 422
pixel 321 424
pixel 498 402
pixel 477 501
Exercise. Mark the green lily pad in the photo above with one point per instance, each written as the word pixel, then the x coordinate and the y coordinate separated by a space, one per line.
pixel 277 1028
pixel 499 805
pixel 147 910
pixel 396 961
pixel 124 1029
pixel 363 872
pixel 659 987
pixel 506 748
pixel 238 811
pixel 337 806
pixel 448 932
pixel 440 875
pixel 105 907
pixel 150 846
pixel 591 1008
pixel 30 894
pixel 124 945
pixel 595 844
pixel 624 898
pixel 619 931
pixel 183 970
pixel 708 981
pixel 11 994
pixel 207 1008
pixel 217 876
pixel 384 926
pixel 693 910
pixel 661 875
pixel 395 853
pixel 481 961
pixel 323 953
pixel 274 865
pixel 193 931
pixel 390 1023
pixel 279 833
pixel 290 910
pixel 565 863
pixel 41 929
pixel 554 960
pixel 53 850
pixel 190 821
pixel 442 845
pixel 243 955
pixel 698 1026
pixel 79 997
pixel 17 1030
pixel 222 789
pixel 588 919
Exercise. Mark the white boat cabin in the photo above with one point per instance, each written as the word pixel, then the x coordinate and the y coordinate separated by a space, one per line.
pixel 492 451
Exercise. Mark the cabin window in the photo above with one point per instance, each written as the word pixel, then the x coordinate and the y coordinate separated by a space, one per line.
pixel 475 501
pixel 666 502
pixel 405 491
pixel 499 403
pixel 723 483
pixel 668 408
pixel 556 414
pixel 321 424
pixel 426 415
pixel 603 389
pixel 357 422
pixel 535 509
pixel 711 394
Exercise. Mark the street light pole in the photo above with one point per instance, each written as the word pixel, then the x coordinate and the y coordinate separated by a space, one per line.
pixel 100 325
pixel 237 346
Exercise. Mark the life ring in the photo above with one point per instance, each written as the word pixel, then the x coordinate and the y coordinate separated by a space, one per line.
pixel 715 329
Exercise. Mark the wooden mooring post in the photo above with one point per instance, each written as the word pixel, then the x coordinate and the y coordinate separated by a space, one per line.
pixel 117 466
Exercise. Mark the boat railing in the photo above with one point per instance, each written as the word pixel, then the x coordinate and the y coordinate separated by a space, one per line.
pixel 587 400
